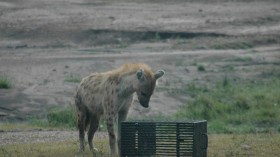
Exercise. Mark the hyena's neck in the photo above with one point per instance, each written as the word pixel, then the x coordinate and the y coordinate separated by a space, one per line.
pixel 126 86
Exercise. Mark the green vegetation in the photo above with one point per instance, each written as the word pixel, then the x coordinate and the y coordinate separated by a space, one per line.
pixel 73 78
pixel 237 145
pixel 234 45
pixel 231 107
pixel 241 59
pixel 157 36
pixel 225 42
pixel 200 67
pixel 26 126
pixel 63 117
pixel 51 149
pixel 233 145
pixel 5 83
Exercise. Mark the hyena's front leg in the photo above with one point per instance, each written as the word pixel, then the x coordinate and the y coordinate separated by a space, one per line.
pixel 122 115
pixel 112 136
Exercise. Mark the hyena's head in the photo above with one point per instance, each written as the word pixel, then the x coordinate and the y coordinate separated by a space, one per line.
pixel 146 85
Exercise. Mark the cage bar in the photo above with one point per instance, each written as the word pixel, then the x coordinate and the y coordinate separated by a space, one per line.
pixel 164 139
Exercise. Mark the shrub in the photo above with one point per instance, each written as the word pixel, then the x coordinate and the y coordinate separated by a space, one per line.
pixel 64 117
pixel 233 107
pixel 5 83
pixel 200 67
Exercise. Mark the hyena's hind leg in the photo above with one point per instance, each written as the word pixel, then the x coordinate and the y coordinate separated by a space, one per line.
pixel 83 120
pixel 94 123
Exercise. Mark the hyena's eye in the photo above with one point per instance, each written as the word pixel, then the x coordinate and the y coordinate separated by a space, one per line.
pixel 144 94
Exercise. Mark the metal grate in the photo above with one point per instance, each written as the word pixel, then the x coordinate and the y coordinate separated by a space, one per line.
pixel 180 139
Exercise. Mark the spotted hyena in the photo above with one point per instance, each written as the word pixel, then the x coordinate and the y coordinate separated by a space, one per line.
pixel 110 94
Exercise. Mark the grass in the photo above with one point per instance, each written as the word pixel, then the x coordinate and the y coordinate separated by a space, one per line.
pixel 243 120
pixel 220 145
pixel 8 126
pixel 5 83
pixel 52 149
pixel 241 59
pixel 73 78
pixel 226 42
pixel 200 67
pixel 232 107
pixel 237 145
pixel 233 45
pixel 63 117
pixel 56 118
pixel 247 112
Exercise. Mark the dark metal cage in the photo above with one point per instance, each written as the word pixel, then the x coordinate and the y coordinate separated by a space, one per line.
pixel 162 139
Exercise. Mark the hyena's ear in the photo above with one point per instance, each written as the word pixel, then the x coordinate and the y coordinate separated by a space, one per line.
pixel 159 73
pixel 140 74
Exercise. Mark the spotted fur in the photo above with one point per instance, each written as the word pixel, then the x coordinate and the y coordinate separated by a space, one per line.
pixel 110 94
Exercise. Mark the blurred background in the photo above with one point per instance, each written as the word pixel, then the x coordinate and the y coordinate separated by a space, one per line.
pixel 221 58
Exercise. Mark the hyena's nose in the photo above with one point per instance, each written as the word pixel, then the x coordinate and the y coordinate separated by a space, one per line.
pixel 144 103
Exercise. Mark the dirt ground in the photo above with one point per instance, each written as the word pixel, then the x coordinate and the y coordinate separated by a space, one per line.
pixel 46 46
